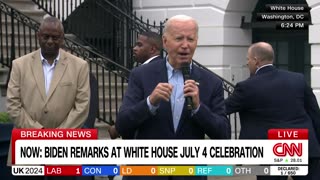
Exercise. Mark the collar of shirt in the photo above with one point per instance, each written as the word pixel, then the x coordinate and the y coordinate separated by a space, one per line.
pixel 48 70
pixel 150 59
pixel 170 69
pixel 44 59
pixel 263 67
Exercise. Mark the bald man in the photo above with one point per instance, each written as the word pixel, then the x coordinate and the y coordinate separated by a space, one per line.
pixel 274 98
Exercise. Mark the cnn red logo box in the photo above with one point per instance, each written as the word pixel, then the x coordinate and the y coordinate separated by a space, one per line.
pixel 291 149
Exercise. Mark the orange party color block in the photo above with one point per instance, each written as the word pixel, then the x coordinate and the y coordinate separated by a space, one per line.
pixel 138 170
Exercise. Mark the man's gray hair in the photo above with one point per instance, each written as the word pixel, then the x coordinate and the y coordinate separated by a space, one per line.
pixel 180 17
pixel 51 19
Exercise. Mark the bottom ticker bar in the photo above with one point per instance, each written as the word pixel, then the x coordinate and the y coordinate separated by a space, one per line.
pixel 210 170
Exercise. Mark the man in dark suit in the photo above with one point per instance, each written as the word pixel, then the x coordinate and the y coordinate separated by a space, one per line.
pixel 274 98
pixel 148 47
pixel 146 50
pixel 154 105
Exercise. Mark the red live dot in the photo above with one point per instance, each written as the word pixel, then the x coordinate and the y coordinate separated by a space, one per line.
pixel 288 134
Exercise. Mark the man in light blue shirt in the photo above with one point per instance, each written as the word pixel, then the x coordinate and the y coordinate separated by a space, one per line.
pixel 154 105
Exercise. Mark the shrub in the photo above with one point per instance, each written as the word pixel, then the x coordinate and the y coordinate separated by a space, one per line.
pixel 4 117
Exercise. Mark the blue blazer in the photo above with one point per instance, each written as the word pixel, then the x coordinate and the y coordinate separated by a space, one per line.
pixel 135 120
pixel 276 98
pixel 155 59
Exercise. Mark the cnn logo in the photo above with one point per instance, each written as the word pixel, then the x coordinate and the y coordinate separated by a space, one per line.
pixel 282 149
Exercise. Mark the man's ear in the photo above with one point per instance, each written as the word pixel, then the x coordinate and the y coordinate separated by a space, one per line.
pixel 164 41
pixel 153 49
pixel 256 61
pixel 62 41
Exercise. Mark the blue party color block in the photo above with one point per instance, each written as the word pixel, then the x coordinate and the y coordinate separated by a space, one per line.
pixel 100 170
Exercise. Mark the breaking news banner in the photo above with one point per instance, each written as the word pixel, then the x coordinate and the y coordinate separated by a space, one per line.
pixel 53 152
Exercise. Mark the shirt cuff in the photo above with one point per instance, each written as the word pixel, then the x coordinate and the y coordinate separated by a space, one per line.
pixel 152 108
pixel 195 110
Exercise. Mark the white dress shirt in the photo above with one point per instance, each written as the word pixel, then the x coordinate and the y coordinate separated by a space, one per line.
pixel 48 70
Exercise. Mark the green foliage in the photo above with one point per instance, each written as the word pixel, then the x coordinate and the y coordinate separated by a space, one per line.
pixel 4 117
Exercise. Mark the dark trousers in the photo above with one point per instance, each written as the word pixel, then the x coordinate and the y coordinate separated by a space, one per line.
pixel 313 172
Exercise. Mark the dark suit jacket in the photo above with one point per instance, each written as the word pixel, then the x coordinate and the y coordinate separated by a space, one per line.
pixel 94 103
pixel 134 114
pixel 276 99
pixel 155 59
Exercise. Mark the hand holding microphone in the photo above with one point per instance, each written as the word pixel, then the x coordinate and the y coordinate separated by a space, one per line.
pixel 191 90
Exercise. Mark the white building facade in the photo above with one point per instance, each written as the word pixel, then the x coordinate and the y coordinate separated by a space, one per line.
pixel 223 44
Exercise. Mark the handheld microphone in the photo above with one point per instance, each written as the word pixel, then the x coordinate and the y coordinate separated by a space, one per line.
pixel 185 68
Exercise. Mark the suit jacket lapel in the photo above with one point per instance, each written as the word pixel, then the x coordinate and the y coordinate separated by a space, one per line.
pixel 186 114
pixel 37 70
pixel 58 73
pixel 165 110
